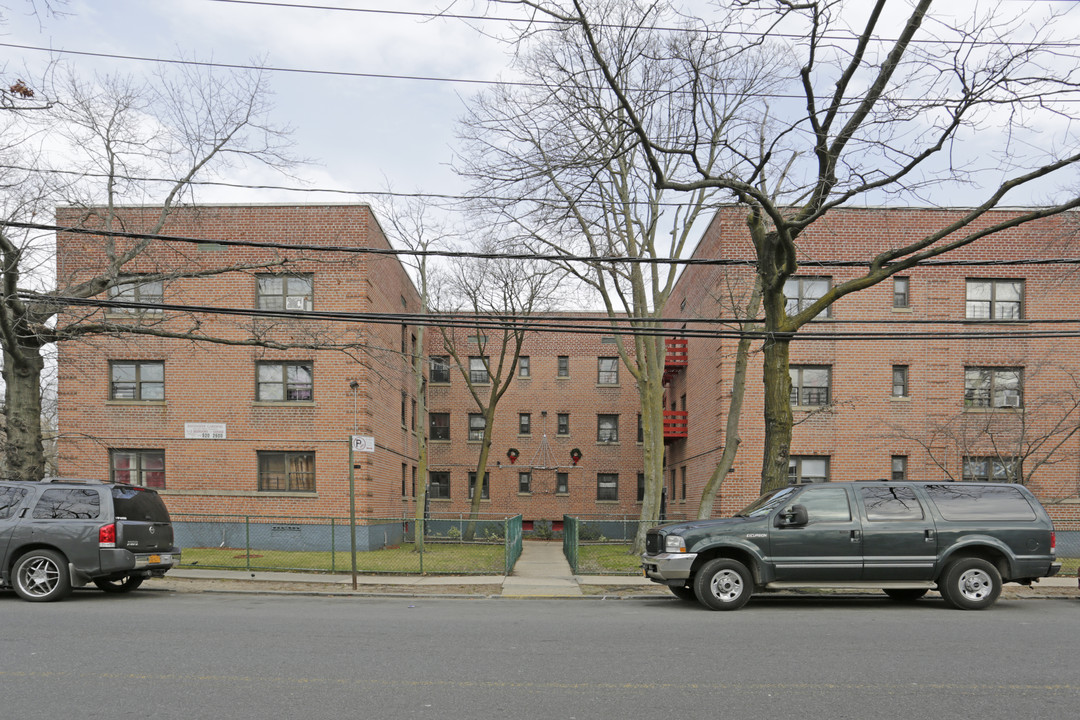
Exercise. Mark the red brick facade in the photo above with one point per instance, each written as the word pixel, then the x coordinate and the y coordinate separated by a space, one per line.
pixel 857 434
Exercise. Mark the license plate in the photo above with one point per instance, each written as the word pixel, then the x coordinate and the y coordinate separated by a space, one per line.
pixel 154 559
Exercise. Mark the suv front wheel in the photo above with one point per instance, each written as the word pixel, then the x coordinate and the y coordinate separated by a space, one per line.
pixel 41 576
pixel 723 584
pixel 970 584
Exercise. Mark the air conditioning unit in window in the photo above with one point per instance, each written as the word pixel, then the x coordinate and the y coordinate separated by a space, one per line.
pixel 296 303
pixel 1011 401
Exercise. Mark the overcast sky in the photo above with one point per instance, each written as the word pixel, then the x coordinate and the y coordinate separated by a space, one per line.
pixel 361 133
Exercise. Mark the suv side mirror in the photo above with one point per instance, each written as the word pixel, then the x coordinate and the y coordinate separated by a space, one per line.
pixel 795 516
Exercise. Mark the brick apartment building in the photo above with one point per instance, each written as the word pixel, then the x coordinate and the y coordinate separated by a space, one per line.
pixel 927 408
pixel 243 429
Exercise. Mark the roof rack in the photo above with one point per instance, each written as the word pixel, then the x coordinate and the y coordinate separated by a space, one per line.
pixel 81 481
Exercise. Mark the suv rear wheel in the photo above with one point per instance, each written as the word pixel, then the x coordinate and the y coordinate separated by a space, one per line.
pixel 723 584
pixel 970 584
pixel 41 576
pixel 123 585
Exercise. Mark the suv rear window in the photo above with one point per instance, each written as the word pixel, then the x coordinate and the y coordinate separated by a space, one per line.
pixel 132 503
pixel 10 497
pixel 964 501
pixel 68 504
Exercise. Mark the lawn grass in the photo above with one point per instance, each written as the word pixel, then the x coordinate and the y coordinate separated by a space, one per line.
pixel 1070 567
pixel 445 558
pixel 607 559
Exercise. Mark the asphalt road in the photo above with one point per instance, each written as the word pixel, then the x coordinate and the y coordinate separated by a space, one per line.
pixel 173 655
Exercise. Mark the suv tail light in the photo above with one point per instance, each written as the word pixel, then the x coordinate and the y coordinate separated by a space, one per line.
pixel 107 536
pixel 1053 543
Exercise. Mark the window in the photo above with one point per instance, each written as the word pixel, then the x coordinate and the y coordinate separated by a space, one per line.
pixel 524 369
pixel 562 424
pixel 524 424
pixel 136 291
pixel 285 292
pixel 992 469
pixel 994 299
pixel 810 384
pixel 959 503
pixel 136 380
pixel 478 370
pixel 802 292
pixel 899 380
pixel 284 382
pixel 404 404
pixel 472 486
pixel 525 482
pixel 564 366
pixel 993 387
pixel 404 478
pixel 68 504
pixel 145 468
pixel 477 425
pixel 562 483
pixel 640 429
pixel 901 295
pixel 439 426
pixel 808 469
pixel 287 471
pixel 440 369
pixel 607 372
pixel 828 504
pixel 899 468
pixel 682 485
pixel 412 422
pixel 891 503
pixel 641 487
pixel 439 485
pixel 607 486
pixel 12 497
pixel 607 428
pixel 413 476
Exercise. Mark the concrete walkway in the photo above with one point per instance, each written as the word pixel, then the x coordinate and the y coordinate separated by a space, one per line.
pixel 541 571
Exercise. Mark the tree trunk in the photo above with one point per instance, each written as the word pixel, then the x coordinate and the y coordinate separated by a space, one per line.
pixel 481 467
pixel 22 410
pixel 651 390
pixel 778 418
pixel 731 425
pixel 421 442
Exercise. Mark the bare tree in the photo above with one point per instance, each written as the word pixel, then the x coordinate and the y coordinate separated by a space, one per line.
pixel 497 295
pixel 562 148
pixel 878 102
pixel 134 143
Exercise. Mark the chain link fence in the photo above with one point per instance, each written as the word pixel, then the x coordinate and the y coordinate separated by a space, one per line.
pixel 325 544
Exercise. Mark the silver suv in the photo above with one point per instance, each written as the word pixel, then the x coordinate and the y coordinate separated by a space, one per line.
pixel 63 533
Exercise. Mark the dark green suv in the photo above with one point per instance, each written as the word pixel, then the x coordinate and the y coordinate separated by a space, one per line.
pixel 962 539
pixel 63 533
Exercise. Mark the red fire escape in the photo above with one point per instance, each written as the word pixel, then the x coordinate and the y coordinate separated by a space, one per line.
pixel 676 359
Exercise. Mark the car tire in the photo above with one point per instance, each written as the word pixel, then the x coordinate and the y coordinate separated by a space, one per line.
pixel 723 584
pixel 906 594
pixel 683 592
pixel 41 576
pixel 124 585
pixel 970 584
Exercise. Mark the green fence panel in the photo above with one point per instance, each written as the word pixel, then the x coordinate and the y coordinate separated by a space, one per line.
pixel 513 542
pixel 570 542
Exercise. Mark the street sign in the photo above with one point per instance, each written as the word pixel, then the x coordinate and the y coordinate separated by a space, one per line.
pixel 363 443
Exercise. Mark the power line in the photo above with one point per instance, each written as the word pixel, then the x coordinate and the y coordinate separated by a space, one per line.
pixel 552 257
pixel 465 81
pixel 575 324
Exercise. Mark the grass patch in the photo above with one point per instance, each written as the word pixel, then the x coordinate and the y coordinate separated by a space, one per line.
pixel 444 558
pixel 607 559
pixel 1069 566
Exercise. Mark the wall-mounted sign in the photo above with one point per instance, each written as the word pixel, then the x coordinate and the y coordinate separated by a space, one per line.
pixel 363 443
pixel 204 431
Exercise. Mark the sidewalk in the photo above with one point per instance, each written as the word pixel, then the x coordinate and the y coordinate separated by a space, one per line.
pixel 542 571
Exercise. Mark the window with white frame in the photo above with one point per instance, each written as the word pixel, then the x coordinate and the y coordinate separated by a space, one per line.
pixel 524 366
pixel 899 381
pixel 439 372
pixel 525 482
pixel 524 424
pixel 439 426
pixel 901 296
pixel 478 370
pixel 899 468
pixel 993 387
pixel 484 491
pixel 132 290
pixel 607 371
pixel 477 425
pixel 607 486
